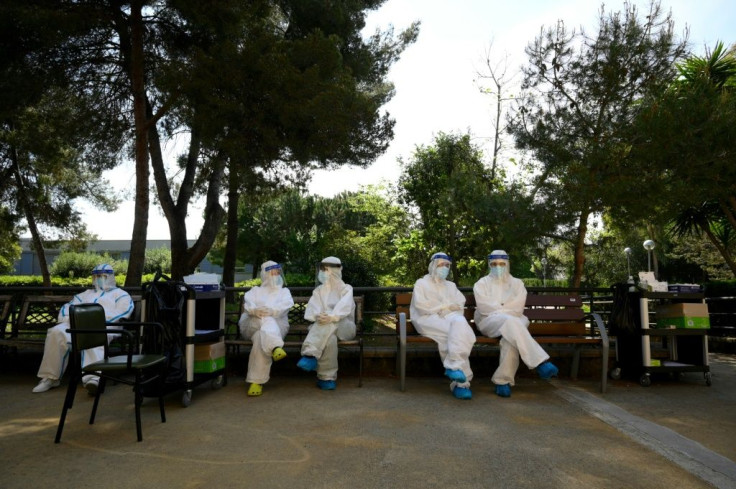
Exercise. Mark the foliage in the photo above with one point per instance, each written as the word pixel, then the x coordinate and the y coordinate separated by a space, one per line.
pixel 72 264
pixel 157 260
pixel 580 96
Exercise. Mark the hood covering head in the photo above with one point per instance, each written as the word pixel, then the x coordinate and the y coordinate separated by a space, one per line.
pixel 272 274
pixel 439 260
pixel 498 264
pixel 103 277
pixel 329 269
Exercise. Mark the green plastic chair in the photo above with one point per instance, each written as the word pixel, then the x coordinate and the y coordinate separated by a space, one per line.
pixel 89 329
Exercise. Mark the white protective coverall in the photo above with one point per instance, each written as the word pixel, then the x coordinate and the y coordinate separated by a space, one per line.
pixel 499 311
pixel 265 321
pixel 335 299
pixel 436 311
pixel 117 304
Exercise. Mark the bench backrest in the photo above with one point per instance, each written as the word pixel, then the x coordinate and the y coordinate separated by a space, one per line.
pixel 41 312
pixel 6 307
pixel 549 314
pixel 298 326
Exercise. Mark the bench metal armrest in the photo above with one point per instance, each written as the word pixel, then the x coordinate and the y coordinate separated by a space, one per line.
pixel 597 321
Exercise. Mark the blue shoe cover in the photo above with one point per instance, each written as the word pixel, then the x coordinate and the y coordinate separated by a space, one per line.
pixel 327 385
pixel 546 371
pixel 307 363
pixel 462 393
pixel 503 390
pixel 456 375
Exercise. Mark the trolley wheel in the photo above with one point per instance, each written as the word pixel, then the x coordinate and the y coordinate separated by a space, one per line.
pixel 708 379
pixel 615 373
pixel 645 380
pixel 186 398
pixel 217 382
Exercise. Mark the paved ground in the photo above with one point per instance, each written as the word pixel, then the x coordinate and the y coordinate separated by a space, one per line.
pixel 563 434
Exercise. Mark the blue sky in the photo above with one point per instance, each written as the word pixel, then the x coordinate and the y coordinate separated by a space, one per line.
pixel 435 79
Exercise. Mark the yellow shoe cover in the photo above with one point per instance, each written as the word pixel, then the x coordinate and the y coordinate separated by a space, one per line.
pixel 255 390
pixel 278 354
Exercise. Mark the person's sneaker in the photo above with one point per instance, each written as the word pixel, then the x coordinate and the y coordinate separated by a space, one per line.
pixel 503 390
pixel 547 370
pixel 278 353
pixel 91 387
pixel 307 363
pixel 462 392
pixel 456 375
pixel 255 390
pixel 46 384
pixel 327 385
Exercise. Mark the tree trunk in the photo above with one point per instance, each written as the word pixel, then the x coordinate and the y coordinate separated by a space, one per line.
pixel 233 197
pixel 31 220
pixel 721 249
pixel 577 274
pixel 140 224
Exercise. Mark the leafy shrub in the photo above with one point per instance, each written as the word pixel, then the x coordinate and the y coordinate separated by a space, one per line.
pixel 157 260
pixel 71 264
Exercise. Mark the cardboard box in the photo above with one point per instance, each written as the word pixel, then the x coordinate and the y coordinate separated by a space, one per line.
pixel 686 315
pixel 209 357
pixel 695 309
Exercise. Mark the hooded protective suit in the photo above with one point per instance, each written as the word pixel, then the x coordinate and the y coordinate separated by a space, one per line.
pixel 265 321
pixel 436 311
pixel 332 311
pixel 117 304
pixel 499 311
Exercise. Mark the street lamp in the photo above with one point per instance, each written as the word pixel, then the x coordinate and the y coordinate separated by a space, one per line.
pixel 649 246
pixel 544 272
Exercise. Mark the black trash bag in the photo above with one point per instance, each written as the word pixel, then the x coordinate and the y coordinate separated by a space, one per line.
pixel 165 304
pixel 624 319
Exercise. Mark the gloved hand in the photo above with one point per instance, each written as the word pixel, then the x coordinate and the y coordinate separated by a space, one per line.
pixel 323 318
pixel 443 312
pixel 456 307
pixel 261 312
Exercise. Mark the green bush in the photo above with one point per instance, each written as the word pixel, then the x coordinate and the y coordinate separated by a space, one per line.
pixel 157 260
pixel 71 264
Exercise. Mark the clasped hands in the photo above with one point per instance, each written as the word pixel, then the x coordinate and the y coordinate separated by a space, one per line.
pixel 262 312
pixel 324 318
pixel 449 308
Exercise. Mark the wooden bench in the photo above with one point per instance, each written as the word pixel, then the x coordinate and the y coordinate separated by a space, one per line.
pixel 554 320
pixel 36 315
pixel 298 329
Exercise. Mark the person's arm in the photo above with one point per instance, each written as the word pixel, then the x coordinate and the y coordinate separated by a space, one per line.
pixel 344 306
pixel 421 302
pixel 484 303
pixel 121 308
pixel 64 311
pixel 314 306
pixel 282 303
pixel 517 301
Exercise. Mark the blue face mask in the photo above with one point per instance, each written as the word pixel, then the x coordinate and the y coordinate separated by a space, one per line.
pixel 100 283
pixel 442 272
pixel 278 281
pixel 498 271
pixel 322 276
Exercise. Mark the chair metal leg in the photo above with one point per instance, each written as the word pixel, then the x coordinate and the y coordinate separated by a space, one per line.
pixel 100 389
pixel 68 403
pixel 138 401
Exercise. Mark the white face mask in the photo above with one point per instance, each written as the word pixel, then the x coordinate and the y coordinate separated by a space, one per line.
pixel 322 276
pixel 100 283
pixel 442 272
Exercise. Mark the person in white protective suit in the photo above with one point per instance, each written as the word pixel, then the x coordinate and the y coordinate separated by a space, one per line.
pixel 332 310
pixel 436 311
pixel 499 311
pixel 265 321
pixel 117 304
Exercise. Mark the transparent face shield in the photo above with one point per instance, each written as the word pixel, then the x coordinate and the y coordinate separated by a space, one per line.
pixel 440 266
pixel 273 276
pixel 103 281
pixel 498 266
pixel 327 270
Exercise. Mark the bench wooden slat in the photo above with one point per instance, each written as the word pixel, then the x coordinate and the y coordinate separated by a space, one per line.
pixel 544 314
pixel 554 300
pixel 557 329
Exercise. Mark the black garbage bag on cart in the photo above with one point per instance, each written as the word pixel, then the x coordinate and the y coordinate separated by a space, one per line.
pixel 165 304
pixel 625 325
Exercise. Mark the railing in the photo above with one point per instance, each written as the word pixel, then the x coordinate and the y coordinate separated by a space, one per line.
pixel 380 303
